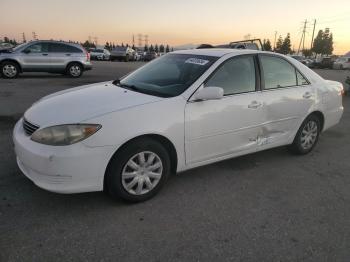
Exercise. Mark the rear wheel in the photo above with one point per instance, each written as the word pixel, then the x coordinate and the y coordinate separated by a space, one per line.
pixel 74 70
pixel 9 69
pixel 307 135
pixel 138 171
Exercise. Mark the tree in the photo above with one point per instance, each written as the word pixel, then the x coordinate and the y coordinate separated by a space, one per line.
pixel 88 44
pixel 122 44
pixel 145 48
pixel 156 49
pixel 323 42
pixel 307 52
pixel 133 47
pixel 107 46
pixel 286 45
pixel 267 45
pixel 151 48
pixel 279 44
pixel 167 49
pixel 161 49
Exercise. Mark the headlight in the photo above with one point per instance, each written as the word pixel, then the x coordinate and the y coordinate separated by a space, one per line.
pixel 63 135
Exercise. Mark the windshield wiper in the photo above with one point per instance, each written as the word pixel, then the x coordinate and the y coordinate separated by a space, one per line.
pixel 130 87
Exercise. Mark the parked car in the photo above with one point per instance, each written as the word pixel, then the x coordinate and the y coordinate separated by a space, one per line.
pixel 185 109
pixel 309 63
pixel 45 56
pixel 100 54
pixel 342 63
pixel 149 56
pixel 122 53
pixel 324 62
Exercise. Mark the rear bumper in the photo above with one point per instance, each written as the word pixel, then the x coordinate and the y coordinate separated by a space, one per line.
pixel 87 66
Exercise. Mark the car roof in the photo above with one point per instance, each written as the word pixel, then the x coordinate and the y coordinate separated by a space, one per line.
pixel 54 41
pixel 218 52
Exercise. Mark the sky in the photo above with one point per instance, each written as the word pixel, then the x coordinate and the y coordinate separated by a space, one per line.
pixel 175 22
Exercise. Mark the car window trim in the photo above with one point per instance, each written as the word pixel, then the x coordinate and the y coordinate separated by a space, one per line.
pixel 41 43
pixel 262 84
pixel 256 70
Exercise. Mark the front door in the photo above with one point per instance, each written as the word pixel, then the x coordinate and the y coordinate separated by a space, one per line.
pixel 36 57
pixel 218 128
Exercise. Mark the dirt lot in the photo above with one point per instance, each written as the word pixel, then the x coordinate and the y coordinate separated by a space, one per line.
pixel 268 206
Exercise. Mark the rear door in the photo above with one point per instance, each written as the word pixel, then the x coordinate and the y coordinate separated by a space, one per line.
pixel 61 54
pixel 36 57
pixel 287 97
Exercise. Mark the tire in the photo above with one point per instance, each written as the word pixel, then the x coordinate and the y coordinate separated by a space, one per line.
pixel 9 69
pixel 140 182
pixel 74 70
pixel 309 130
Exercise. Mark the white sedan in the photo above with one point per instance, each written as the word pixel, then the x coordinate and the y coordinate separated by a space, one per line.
pixel 183 110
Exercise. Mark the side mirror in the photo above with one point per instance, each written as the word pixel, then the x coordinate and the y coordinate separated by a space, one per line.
pixel 209 93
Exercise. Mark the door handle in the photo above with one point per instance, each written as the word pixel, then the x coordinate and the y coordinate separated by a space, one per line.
pixel 44 54
pixel 307 95
pixel 254 105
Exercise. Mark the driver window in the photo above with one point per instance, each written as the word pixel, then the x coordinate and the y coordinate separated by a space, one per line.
pixel 37 48
pixel 235 76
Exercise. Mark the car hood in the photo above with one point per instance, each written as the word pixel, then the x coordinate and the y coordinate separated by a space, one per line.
pixel 82 103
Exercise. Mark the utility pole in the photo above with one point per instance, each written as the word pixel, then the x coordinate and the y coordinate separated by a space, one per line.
pixel 95 40
pixel 274 43
pixel 139 38
pixel 24 38
pixel 313 34
pixel 302 40
pixel 133 40
pixel 35 36
pixel 146 40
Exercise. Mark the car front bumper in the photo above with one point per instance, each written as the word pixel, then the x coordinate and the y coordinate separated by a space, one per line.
pixel 62 169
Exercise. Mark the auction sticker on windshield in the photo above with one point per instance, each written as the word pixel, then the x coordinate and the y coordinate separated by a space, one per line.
pixel 196 61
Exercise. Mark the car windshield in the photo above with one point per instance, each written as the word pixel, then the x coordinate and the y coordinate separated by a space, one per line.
pixel 169 75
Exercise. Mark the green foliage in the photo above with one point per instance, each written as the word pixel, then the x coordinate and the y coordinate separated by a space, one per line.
pixel 323 42
pixel 161 49
pixel 88 44
pixel 156 48
pixel 151 48
pixel 145 48
pixel 8 40
pixel 267 45
pixel 307 52
pixel 167 49
pixel 279 44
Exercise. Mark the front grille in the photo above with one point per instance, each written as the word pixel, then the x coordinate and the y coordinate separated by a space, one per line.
pixel 29 128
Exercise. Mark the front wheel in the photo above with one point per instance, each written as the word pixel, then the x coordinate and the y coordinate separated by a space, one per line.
pixel 307 135
pixel 138 171
pixel 9 69
pixel 74 70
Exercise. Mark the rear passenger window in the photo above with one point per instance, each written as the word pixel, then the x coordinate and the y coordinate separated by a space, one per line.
pixel 73 49
pixel 235 76
pixel 62 48
pixel 277 72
